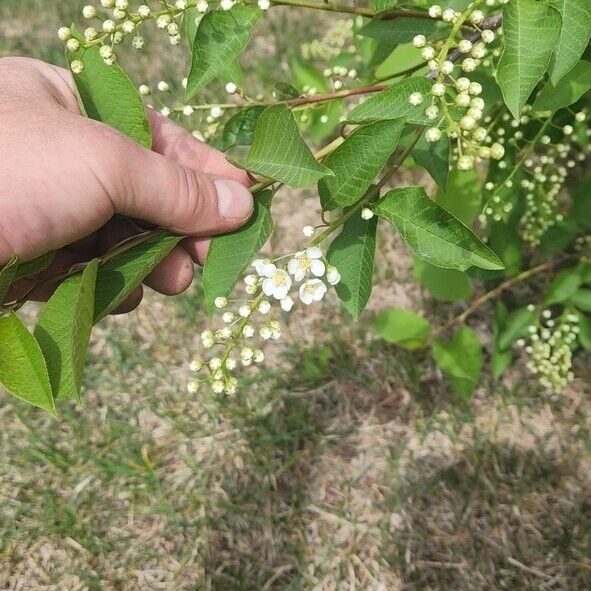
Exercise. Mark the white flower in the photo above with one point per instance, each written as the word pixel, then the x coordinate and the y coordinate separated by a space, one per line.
pixel 477 17
pixel 215 363
pixel 259 356
pixel 419 41
pixel 308 231
pixel 89 11
pixel 469 65
pixel 428 53
pixel 218 387
pixel 286 304
pixel 244 311
pixel 202 6
pixel 497 151
pixel 231 88
pixel 463 84
pixel 447 67
pixel 432 112
pixel 264 267
pixel 449 15
pixel 264 307
pixel 465 46
pixel 435 11
pixel 220 302
pixel 488 36
pixel 248 331
pixel 264 4
pixel 196 365
pixel 415 99
pixel 277 285
pixel 367 213
pixel 230 363
pixel 312 290
pixel 77 67
pixel 332 275
pixel 265 333
pixel 64 33
pixel 223 333
pixel 192 387
pixel 187 110
pixel 433 134
pixel 438 89
pixel 144 11
pixel 307 261
pixel 226 4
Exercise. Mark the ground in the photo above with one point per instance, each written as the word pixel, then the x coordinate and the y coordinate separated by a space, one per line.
pixel 346 465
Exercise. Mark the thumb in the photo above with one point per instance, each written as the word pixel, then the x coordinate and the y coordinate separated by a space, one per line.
pixel 156 189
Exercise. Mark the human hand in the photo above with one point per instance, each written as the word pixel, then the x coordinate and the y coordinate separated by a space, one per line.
pixel 64 177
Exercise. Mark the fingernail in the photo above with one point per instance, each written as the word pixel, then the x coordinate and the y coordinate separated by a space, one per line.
pixel 234 199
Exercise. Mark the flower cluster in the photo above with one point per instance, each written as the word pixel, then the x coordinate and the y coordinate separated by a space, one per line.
pixel 540 173
pixel 115 20
pixel 247 326
pixel 549 348
pixel 455 106
pixel 338 38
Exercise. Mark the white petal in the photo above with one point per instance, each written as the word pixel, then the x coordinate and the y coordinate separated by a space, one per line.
pixel 280 292
pixel 299 274
pixel 268 287
pixel 318 268
pixel 314 252
pixel 286 304
pixel 268 270
pixel 293 266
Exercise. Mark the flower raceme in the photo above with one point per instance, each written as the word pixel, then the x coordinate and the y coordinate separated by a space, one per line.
pixel 248 326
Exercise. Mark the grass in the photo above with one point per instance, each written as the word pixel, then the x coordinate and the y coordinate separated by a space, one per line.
pixel 346 465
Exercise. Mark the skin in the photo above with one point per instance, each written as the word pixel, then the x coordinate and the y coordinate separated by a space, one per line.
pixel 75 186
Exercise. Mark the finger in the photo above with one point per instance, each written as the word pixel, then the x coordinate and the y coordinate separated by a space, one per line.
pixel 131 303
pixel 150 187
pixel 197 248
pixel 62 261
pixel 173 275
pixel 175 142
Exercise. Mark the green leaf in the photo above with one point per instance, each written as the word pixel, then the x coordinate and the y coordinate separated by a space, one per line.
pixel 63 331
pixel 221 37
pixel 34 267
pixel 357 161
pixel 401 30
pixel 22 368
pixel 108 95
pixel 434 158
pixel 461 360
pixel 230 254
pixel 581 205
pixel 585 332
pixel 381 5
pixel 433 233
pixel 402 327
pixel 393 103
pixel 500 359
pixel 506 242
pixel 307 76
pixel 239 130
pixel 463 195
pixel 568 91
pixel 352 252
pixel 574 36
pixel 120 276
pixel 531 31
pixel 563 286
pixel 7 276
pixel 582 300
pixel 516 327
pixel 280 153
pixel 447 285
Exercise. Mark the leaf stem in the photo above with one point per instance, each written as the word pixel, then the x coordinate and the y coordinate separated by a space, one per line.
pixel 497 291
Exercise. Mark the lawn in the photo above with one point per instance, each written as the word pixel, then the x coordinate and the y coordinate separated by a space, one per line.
pixel 346 465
